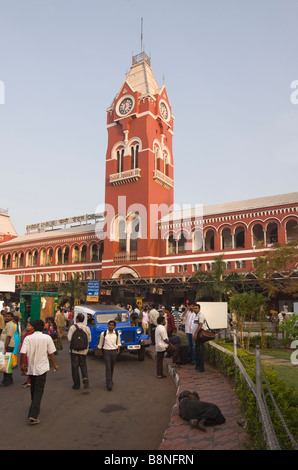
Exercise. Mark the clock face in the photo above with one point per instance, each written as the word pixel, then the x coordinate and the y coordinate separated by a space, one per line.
pixel 125 106
pixel 164 110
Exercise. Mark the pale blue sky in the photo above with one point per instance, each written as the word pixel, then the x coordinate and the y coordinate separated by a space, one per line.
pixel 228 66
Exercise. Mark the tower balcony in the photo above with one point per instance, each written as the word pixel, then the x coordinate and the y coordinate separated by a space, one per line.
pixel 123 256
pixel 125 176
pixel 163 179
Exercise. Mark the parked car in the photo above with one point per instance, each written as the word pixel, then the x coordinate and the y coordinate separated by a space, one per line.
pixel 97 317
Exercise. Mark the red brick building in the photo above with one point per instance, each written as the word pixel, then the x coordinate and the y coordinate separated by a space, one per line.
pixel 142 247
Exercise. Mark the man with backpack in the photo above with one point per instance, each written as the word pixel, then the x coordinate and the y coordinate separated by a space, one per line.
pixel 79 336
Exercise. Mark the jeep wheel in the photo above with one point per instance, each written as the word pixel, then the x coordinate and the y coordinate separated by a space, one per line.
pixel 141 354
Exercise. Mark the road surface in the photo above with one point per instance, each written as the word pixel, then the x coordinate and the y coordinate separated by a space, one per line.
pixel 133 416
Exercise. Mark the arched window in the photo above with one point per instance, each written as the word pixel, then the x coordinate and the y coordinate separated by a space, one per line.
pixel 272 233
pixel 49 256
pixel 14 260
pixel 122 235
pixel 197 241
pixel 21 260
pixel 75 254
pixel 120 155
pixel 134 156
pixel 83 253
pixel 171 245
pixel 257 235
pixel 8 259
pixel 66 255
pixel 29 259
pixel 209 243
pixel 58 256
pixel 34 258
pixel 182 243
pixel 291 230
pixel 43 257
pixel 94 255
pixel 134 233
pixel 226 239
pixel 239 237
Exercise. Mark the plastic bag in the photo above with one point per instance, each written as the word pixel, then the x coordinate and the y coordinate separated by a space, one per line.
pixel 6 363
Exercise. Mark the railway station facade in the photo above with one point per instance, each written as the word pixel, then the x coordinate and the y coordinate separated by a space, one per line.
pixel 141 245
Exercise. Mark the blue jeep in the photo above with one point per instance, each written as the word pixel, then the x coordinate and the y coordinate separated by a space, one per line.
pixel 97 318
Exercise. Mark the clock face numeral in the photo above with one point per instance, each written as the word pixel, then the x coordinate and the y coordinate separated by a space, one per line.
pixel 125 106
pixel 164 111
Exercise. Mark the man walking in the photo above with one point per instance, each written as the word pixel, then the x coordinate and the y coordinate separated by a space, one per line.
pixel 7 336
pixel 37 349
pixel 109 344
pixel 78 356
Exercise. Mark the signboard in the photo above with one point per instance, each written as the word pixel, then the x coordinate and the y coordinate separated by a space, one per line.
pixel 93 288
pixel 7 283
pixel 216 314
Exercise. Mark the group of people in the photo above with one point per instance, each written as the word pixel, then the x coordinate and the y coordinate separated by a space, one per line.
pixel 39 343
pixel 163 336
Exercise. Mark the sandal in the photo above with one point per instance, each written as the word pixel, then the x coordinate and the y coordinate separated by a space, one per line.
pixel 33 421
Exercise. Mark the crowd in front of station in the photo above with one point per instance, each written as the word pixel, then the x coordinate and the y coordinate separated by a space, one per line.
pixel 37 344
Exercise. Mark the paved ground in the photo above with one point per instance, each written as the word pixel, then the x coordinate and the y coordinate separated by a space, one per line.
pixel 133 416
pixel 212 387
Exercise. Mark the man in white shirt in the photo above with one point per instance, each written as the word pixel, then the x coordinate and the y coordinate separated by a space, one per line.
pixel 110 343
pixel 189 316
pixel 38 348
pixel 162 344
pixel 153 315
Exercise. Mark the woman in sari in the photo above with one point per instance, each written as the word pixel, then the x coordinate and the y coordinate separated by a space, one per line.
pixel 17 341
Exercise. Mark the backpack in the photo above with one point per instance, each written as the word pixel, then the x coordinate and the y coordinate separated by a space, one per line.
pixel 79 340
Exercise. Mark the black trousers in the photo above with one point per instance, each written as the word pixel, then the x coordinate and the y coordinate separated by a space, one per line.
pixel 78 362
pixel 110 357
pixel 159 362
pixel 37 388
pixel 152 333
pixel 199 356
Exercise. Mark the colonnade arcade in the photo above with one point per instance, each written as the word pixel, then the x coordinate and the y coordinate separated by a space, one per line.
pixel 258 234
pixel 67 254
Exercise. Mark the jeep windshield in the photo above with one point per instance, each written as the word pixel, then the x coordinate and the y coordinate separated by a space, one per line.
pixel 119 317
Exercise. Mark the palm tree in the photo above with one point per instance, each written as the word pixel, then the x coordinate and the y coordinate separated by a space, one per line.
pixel 216 284
pixel 74 289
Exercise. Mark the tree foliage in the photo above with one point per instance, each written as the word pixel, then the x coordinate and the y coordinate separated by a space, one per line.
pixel 217 283
pixel 74 289
pixel 249 306
pixel 279 259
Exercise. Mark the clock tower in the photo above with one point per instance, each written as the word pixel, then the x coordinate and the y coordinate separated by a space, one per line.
pixel 139 173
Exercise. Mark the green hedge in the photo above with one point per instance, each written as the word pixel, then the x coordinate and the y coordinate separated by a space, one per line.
pixel 285 397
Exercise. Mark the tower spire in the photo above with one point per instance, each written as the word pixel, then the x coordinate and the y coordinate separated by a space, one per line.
pixel 142 56
pixel 142 34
